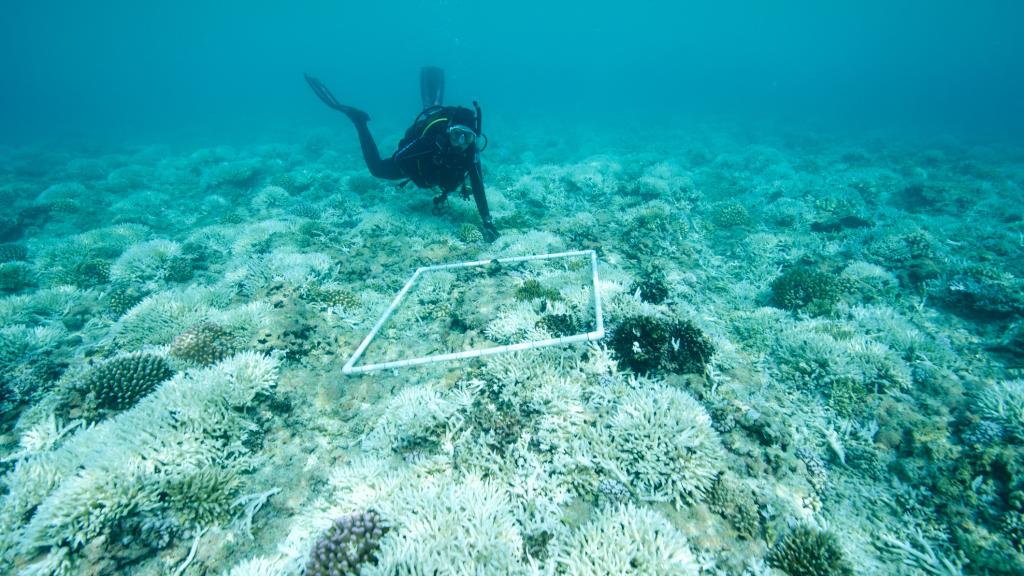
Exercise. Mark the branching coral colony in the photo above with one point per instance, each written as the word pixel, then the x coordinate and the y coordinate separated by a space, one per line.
pixel 813 363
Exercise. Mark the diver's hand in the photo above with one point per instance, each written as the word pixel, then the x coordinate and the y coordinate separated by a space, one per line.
pixel 490 232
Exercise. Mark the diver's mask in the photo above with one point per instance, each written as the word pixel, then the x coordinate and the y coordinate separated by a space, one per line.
pixel 461 137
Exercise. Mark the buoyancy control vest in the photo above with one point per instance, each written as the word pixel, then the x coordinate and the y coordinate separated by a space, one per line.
pixel 425 155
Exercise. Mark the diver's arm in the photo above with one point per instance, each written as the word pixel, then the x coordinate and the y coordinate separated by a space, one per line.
pixel 476 180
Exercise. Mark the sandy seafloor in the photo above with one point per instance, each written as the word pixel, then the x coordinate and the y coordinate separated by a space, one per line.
pixel 174 324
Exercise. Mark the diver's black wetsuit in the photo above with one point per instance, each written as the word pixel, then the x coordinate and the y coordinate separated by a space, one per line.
pixel 426 156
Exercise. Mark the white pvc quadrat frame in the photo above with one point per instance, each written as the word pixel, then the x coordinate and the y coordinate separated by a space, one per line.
pixel 597 334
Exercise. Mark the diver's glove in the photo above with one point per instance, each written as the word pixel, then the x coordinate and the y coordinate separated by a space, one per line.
pixel 490 232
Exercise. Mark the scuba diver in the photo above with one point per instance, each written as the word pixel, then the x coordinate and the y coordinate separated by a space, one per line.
pixel 440 149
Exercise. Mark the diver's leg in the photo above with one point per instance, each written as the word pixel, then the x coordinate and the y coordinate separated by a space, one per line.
pixel 378 167
pixel 381 168
pixel 432 86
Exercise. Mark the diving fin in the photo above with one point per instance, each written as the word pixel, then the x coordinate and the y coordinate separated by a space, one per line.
pixel 431 86
pixel 325 96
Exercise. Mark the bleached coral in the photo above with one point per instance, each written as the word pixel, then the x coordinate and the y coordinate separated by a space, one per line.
pixel 20 344
pixel 63 191
pixel 1003 402
pixel 444 525
pixel 158 319
pixel 269 197
pixel 108 472
pixel 299 268
pixel 256 233
pixel 161 317
pixel 145 261
pixel 659 442
pixel 42 436
pixel 110 241
pixel 916 552
pixel 515 322
pixel 528 244
pixel 870 280
pixel 807 355
pixel 882 369
pixel 259 566
pixel 414 416
pixel 88 504
pixel 627 540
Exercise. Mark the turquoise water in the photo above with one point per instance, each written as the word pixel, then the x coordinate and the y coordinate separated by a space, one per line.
pixel 808 223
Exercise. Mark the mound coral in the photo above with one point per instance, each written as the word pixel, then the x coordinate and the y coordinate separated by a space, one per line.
pixel 179 268
pixel 203 344
pixel 117 385
pixel 533 289
pixel 806 551
pixel 469 233
pixel 122 296
pixel 648 344
pixel 15 277
pixel 660 443
pixel 625 540
pixel 351 542
pixel 730 215
pixel 805 289
pixel 737 504
pixel 651 284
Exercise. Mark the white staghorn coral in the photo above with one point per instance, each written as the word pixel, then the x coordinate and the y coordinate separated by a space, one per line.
pixel 110 471
pixel 415 415
pixel 626 540
pixel 1003 402
pixel 441 523
pixel 259 566
pixel 515 322
pixel 659 441
pixel 299 268
pixel 157 320
pixel 88 504
pixel 145 261
pixel 20 344
pixel 444 525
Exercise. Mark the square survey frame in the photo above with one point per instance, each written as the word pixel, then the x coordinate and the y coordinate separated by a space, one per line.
pixel 597 334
